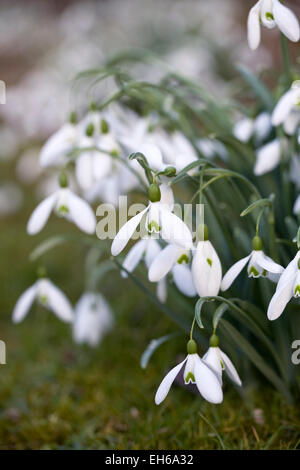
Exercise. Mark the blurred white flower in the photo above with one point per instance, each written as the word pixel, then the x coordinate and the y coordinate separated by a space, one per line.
pixel 288 286
pixel 160 220
pixel 243 129
pixel 173 259
pixel 197 372
pixel 47 295
pixel 259 128
pixel 287 110
pixel 268 157
pixel 93 319
pixel 55 150
pixel 219 362
pixel 65 204
pixel 259 265
pixel 271 13
pixel 11 198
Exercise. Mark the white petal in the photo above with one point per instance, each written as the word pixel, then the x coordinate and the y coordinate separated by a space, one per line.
pixel 233 272
pixel 152 251
pixel 167 196
pixel 213 359
pixel 126 232
pixel 290 272
pixel 291 122
pixel 296 208
pixel 262 126
pixel 59 303
pixel 267 157
pixel 268 264
pixel 166 383
pixel 183 279
pixel 230 369
pixel 162 290
pixel 163 263
pixel 41 214
pixel 133 257
pixel 254 27
pixel 102 165
pixel 174 230
pixel 207 382
pixel 283 107
pixel 81 213
pixel 84 171
pixel 24 303
pixel 279 300
pixel 243 129
pixel 206 270
pixel 286 21
pixel 58 145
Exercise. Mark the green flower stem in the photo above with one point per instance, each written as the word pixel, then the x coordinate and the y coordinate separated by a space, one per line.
pixel 286 62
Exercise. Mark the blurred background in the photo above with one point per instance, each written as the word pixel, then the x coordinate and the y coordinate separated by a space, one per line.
pixel 54 394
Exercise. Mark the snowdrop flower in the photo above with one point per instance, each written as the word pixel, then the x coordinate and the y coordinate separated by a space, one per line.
pixel 243 129
pixel 288 286
pixel 55 150
pixel 93 319
pixel 197 372
pixel 271 13
pixel 47 295
pixel 295 171
pixel 65 204
pixel 94 163
pixel 259 128
pixel 287 110
pixel 268 157
pixel 259 265
pixel 160 220
pixel 174 259
pixel 206 267
pixel 296 208
pixel 219 361
pixel 148 249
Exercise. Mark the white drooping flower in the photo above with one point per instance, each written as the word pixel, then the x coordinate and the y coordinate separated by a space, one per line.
pixel 287 110
pixel 258 128
pixel 219 362
pixel 268 157
pixel 288 286
pixel 47 295
pixel 206 268
pixel 147 249
pixel 65 204
pixel 196 371
pixel 271 13
pixel 174 259
pixel 93 319
pixel 259 265
pixel 160 220
pixel 59 145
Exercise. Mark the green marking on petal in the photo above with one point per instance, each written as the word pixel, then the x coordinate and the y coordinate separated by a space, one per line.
pixel 62 210
pixel 269 16
pixel 297 291
pixel 264 273
pixel 222 364
pixel 115 153
pixel 183 259
pixel 209 261
pixel 253 271
pixel 190 377
pixel 43 299
pixel 153 226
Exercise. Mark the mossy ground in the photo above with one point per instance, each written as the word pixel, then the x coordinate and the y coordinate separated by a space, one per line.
pixel 54 394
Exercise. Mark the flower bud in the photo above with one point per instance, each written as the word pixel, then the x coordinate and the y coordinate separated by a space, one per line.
pixel 104 126
pixel 214 341
pixel 191 347
pixel 63 180
pixel 257 243
pixel 41 272
pixel 170 171
pixel 154 194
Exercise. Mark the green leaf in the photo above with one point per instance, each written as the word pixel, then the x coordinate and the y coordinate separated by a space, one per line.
pixel 183 173
pixel 260 203
pixel 255 358
pixel 219 312
pixel 257 86
pixel 142 160
pixel 57 240
pixel 152 346
pixel 198 309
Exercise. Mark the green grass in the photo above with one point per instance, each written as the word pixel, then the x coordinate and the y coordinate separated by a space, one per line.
pixel 54 394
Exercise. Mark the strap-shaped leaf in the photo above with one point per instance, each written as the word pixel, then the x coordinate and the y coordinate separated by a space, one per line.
pixel 219 312
pixel 57 240
pixel 142 160
pixel 152 346
pixel 259 204
pixel 257 86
